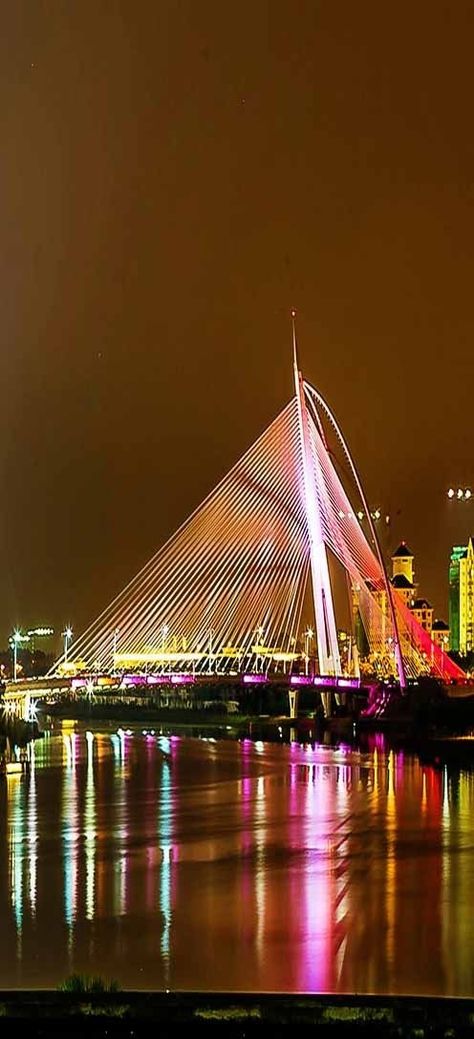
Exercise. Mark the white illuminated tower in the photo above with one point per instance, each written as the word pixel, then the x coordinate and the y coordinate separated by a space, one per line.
pixel 326 632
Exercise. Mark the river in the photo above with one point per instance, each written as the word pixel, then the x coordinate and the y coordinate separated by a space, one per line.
pixel 171 862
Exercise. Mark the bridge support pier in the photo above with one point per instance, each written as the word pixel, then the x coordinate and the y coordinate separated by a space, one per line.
pixel 293 700
pixel 326 696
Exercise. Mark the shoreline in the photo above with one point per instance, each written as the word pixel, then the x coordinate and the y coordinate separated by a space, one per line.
pixel 128 713
pixel 435 747
pixel 235 1013
pixel 432 745
pixel 439 745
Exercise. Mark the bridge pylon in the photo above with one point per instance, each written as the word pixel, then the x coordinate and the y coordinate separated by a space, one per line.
pixel 326 632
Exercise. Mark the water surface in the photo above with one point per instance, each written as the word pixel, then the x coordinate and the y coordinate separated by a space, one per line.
pixel 185 863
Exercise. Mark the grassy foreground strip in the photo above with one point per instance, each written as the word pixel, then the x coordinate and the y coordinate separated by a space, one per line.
pixel 95 1006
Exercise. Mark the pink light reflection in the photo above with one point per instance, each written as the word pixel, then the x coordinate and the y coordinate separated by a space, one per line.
pixel 316 958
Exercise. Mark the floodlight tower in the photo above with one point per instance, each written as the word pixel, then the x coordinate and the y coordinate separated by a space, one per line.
pixel 326 634
pixel 15 639
pixel 67 635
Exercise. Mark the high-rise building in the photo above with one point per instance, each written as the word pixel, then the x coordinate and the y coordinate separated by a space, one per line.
pixel 461 598
pixel 456 556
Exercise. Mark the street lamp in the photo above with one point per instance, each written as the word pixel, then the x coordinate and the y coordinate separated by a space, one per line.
pixel 209 663
pixel 16 638
pixel 164 631
pixel 67 634
pixel 259 636
pixel 308 635
pixel 114 647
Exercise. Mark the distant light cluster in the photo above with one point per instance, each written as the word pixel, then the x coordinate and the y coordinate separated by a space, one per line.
pixel 375 515
pixel 461 494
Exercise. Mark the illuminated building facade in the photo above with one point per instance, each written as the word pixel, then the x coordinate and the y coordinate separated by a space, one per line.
pixel 441 635
pixel 402 562
pixel 461 598
pixel 422 610
pixel 41 638
pixel 403 580
pixel 402 574
pixel 404 584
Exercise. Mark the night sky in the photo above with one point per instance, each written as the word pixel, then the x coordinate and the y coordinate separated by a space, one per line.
pixel 174 177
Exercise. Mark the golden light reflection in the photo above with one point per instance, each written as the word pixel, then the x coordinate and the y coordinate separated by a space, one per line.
pixel 90 828
pixel 32 831
pixel 260 873
pixel 16 833
pixel 391 862
pixel 120 821
pixel 165 840
pixel 280 867
pixel 70 834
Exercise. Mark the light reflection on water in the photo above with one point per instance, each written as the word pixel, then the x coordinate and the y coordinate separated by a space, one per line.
pixel 169 862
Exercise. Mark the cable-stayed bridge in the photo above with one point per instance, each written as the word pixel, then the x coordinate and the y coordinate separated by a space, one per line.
pixel 249 579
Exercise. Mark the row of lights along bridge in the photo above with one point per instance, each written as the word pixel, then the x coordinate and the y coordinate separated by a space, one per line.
pixel 18 640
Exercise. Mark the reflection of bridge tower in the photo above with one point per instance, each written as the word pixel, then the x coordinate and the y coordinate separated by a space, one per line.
pixel 326 633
